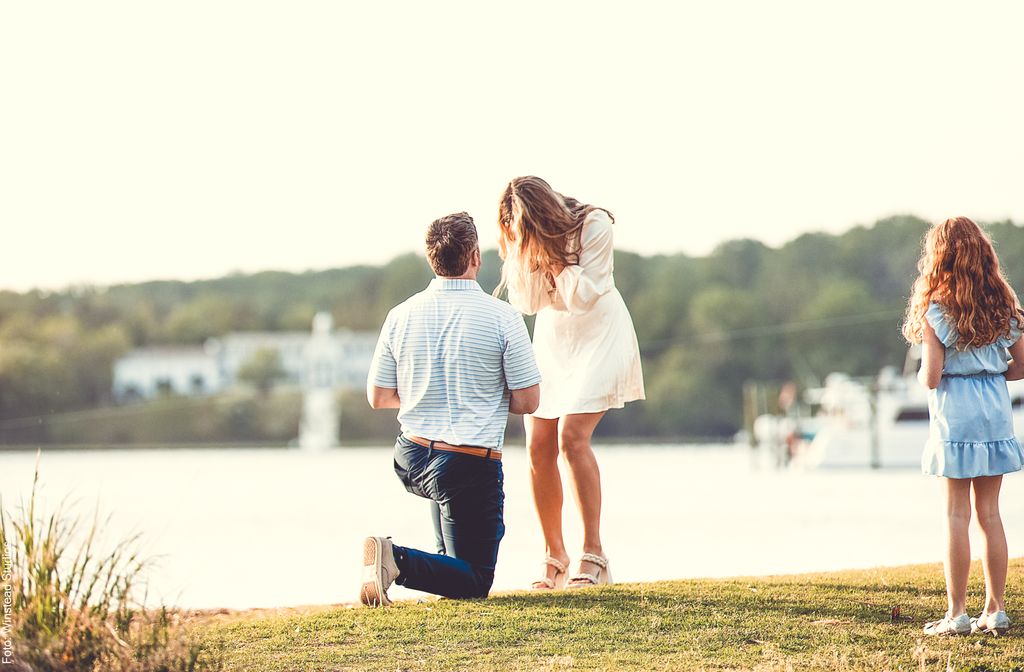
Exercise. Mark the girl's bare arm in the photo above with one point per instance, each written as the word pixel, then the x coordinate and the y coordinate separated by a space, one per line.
pixel 1016 365
pixel 933 356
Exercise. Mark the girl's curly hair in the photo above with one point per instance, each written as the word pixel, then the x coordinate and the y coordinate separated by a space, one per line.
pixel 959 271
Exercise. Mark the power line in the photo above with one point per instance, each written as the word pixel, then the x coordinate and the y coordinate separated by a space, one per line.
pixel 776 329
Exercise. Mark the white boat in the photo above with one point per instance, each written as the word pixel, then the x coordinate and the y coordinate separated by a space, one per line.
pixel 881 423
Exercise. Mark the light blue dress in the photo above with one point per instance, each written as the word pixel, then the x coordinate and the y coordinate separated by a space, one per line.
pixel 971 420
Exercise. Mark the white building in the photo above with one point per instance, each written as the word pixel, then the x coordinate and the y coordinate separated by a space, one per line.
pixel 149 372
pixel 145 373
pixel 239 347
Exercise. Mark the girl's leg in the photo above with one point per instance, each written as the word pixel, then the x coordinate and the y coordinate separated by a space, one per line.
pixel 546 481
pixel 995 559
pixel 958 543
pixel 574 432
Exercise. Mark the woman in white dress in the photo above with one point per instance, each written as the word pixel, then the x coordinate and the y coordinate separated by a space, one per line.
pixel 558 264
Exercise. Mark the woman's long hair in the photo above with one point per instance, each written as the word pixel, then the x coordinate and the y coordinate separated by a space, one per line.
pixel 959 271
pixel 539 227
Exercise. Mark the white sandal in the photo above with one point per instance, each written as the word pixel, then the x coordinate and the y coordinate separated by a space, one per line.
pixel 603 577
pixel 561 572
pixel 995 624
pixel 961 625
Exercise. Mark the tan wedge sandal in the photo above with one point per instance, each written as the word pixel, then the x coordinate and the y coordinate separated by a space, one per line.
pixel 561 573
pixel 603 577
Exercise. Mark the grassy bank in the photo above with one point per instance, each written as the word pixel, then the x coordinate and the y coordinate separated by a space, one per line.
pixel 835 622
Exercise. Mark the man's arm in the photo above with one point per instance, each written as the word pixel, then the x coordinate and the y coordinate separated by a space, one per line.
pixel 521 375
pixel 382 397
pixel 382 380
pixel 523 401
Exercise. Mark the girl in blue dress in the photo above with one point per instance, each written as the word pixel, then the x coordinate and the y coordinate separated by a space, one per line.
pixel 966 317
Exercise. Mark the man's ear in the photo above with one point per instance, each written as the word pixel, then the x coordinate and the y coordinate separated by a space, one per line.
pixel 478 258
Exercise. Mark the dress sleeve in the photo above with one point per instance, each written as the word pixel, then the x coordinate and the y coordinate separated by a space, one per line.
pixel 581 285
pixel 383 367
pixel 937 319
pixel 1014 336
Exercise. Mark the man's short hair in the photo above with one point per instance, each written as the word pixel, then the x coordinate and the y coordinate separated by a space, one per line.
pixel 451 242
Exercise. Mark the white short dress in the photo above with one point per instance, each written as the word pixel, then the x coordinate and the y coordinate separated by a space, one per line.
pixel 583 338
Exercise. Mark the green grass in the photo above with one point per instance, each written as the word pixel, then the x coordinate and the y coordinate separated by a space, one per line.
pixel 837 621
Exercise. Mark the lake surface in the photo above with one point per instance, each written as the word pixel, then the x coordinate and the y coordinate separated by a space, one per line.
pixel 263 528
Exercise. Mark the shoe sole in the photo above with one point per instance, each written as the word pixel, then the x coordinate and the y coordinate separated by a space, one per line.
pixel 995 632
pixel 372 593
pixel 951 633
pixel 604 580
pixel 558 583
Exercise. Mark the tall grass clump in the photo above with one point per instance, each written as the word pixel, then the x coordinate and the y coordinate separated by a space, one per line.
pixel 69 606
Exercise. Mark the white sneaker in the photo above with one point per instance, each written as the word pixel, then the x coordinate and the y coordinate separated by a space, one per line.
pixel 995 624
pixel 961 625
pixel 379 571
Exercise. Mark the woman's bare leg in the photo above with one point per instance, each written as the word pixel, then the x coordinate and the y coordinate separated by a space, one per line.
pixel 958 543
pixel 574 432
pixel 995 559
pixel 546 481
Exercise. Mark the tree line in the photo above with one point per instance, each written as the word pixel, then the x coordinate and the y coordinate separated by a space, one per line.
pixel 817 304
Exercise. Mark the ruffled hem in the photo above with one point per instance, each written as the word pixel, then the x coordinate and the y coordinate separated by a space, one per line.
pixel 593 406
pixel 971 459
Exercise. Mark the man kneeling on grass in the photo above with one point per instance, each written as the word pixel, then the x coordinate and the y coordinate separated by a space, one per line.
pixel 454 360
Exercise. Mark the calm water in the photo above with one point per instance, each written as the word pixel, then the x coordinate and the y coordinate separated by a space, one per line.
pixel 248 528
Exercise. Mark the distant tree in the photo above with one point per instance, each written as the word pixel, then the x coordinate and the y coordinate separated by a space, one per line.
pixel 705 324
pixel 263 370
pixel 33 380
pixel 1009 240
pixel 296 317
pixel 55 364
pixel 738 262
pixel 661 305
pixel 197 320
pixel 721 309
pixel 91 361
pixel 829 343
pixel 686 398
pixel 883 256
pixel 403 277
pixel 490 270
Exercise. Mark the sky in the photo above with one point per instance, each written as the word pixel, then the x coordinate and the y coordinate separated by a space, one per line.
pixel 191 139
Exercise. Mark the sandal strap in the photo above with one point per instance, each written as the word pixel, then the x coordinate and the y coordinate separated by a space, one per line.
pixel 583 576
pixel 556 563
pixel 546 582
pixel 595 559
pixel 945 626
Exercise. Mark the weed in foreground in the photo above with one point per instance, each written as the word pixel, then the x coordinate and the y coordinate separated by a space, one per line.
pixel 72 607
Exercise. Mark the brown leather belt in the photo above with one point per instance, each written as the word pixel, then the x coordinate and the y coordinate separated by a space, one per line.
pixel 477 451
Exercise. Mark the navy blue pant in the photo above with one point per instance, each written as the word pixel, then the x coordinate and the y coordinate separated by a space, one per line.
pixel 468 499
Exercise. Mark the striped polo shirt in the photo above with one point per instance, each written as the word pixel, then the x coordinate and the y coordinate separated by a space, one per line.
pixel 453 352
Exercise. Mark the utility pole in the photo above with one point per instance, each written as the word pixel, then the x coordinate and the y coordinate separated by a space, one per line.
pixel 876 448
